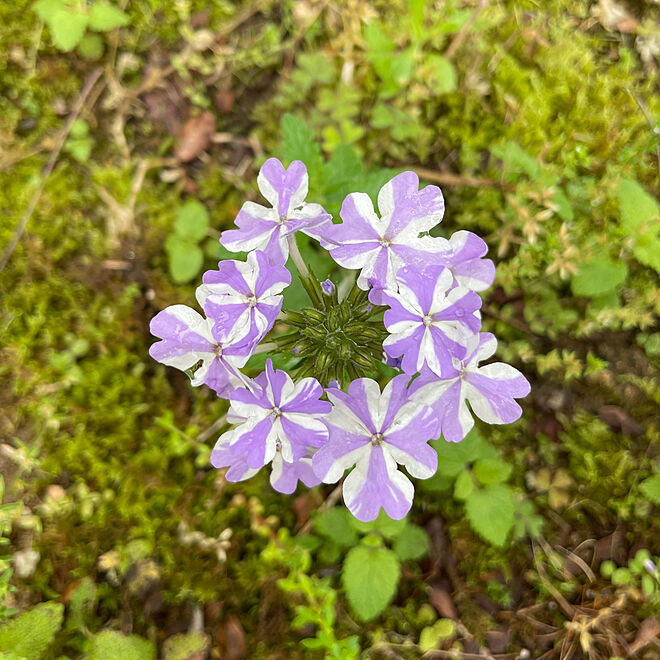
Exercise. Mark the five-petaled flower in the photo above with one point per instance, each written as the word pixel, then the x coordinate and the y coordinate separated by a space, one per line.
pixel 491 390
pixel 242 297
pixel 273 416
pixel 267 229
pixel 429 322
pixel 381 246
pixel 374 432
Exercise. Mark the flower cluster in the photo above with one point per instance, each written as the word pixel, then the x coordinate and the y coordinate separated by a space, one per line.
pixel 415 298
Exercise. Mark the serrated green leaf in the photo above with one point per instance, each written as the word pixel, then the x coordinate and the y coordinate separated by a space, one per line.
pixel 67 28
pixel 192 220
pixel 464 485
pixel 640 218
pixel 490 513
pixel 412 543
pixel 103 16
pixel 444 74
pixel 598 276
pixel 111 645
pixel 335 524
pixel 651 488
pixel 32 632
pixel 370 577
pixel 185 259
pixel 489 471
pixel 298 143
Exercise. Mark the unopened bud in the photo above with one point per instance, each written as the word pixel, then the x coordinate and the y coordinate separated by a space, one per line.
pixel 328 287
pixel 650 566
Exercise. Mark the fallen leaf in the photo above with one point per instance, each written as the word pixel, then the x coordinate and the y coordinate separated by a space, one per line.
pixel 230 636
pixel 441 600
pixel 612 16
pixel 619 420
pixel 195 136
pixel 648 631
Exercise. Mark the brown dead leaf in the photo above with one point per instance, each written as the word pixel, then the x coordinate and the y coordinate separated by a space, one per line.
pixel 195 136
pixel 230 637
pixel 648 631
pixel 620 420
pixel 441 600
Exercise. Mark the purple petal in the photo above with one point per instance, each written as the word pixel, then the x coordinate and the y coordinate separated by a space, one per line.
pixel 256 225
pixel 284 189
pixel 285 476
pixel 376 483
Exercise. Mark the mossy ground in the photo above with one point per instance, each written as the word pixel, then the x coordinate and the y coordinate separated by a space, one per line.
pixel 119 435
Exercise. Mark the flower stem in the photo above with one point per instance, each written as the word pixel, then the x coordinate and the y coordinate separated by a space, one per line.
pixel 309 282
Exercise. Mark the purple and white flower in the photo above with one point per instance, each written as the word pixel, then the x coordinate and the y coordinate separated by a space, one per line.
pixel 429 322
pixel 374 432
pixel 491 390
pixel 267 229
pixel 273 416
pixel 463 258
pixel 187 337
pixel 380 246
pixel 242 297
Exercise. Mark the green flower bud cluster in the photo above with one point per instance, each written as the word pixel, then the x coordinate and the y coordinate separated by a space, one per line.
pixel 337 340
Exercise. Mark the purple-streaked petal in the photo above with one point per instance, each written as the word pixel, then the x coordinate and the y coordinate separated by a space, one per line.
pixel 456 418
pixel 285 189
pixel 229 277
pixel 256 225
pixel 305 399
pixel 342 450
pixel 302 431
pixel 407 207
pixel 279 383
pixel 491 391
pixel 256 441
pixel 185 335
pixel 375 483
pixel 355 410
pixel 270 280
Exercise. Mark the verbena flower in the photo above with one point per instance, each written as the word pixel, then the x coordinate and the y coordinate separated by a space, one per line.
pixel 241 297
pixel 491 390
pixel 463 258
pixel 274 416
pixel 429 321
pixel 380 246
pixel 187 338
pixel 263 228
pixel 374 432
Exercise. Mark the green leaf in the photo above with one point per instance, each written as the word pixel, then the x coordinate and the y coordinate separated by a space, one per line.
pixel 46 9
pixel 454 456
pixel 490 512
pixel 185 259
pixel 598 276
pixel 444 74
pixel 298 143
pixel 416 10
pixel 111 645
pixel 640 218
pixel 620 576
pixel 564 209
pixel 370 577
pixel 651 488
pixel 192 221
pixel 81 602
pixel 336 525
pixel 489 471
pixel 431 636
pixel 91 47
pixel 32 632
pixel 412 543
pixel 103 17
pixel 67 29
pixel 464 485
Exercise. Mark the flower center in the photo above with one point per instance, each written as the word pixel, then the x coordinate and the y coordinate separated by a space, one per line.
pixel 427 319
pixel 377 439
pixel 385 242
pixel 276 411
pixel 251 300
pixel 218 350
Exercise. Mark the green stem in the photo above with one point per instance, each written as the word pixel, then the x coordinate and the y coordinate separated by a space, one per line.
pixel 309 282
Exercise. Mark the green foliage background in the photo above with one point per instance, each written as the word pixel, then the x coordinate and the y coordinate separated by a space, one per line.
pixel 539 122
